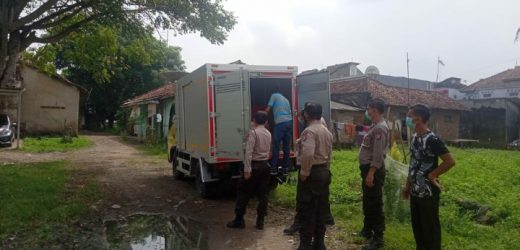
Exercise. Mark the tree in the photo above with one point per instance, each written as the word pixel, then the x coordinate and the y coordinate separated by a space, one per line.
pixel 517 35
pixel 113 63
pixel 23 22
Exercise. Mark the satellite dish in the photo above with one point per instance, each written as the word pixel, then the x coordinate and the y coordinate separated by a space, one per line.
pixel 372 70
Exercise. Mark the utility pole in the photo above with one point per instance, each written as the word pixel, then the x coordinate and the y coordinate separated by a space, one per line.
pixel 408 76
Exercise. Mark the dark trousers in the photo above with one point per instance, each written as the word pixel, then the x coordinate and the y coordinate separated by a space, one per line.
pixel 425 222
pixel 257 185
pixel 313 202
pixel 298 221
pixel 374 221
pixel 282 134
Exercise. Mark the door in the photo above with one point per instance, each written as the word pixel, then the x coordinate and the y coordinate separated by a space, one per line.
pixel 315 88
pixel 230 119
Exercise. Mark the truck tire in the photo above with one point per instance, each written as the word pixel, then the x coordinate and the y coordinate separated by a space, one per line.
pixel 202 188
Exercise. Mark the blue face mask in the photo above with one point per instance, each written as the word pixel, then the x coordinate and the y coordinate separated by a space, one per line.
pixel 367 116
pixel 409 122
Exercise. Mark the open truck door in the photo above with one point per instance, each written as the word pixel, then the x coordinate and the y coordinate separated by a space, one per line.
pixel 314 88
pixel 231 120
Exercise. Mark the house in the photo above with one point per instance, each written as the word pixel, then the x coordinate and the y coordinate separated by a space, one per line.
pixel 359 90
pixel 495 108
pixel 49 103
pixel 152 112
pixel 451 87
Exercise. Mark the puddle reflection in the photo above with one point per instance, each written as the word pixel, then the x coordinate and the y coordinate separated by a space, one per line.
pixel 156 232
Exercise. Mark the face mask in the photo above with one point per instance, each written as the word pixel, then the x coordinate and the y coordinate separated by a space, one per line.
pixel 409 122
pixel 367 116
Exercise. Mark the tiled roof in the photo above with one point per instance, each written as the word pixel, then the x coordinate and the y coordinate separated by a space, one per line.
pixel 506 79
pixel 394 95
pixel 167 90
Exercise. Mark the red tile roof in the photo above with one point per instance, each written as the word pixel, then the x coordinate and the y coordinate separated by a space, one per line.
pixel 167 90
pixel 394 95
pixel 506 79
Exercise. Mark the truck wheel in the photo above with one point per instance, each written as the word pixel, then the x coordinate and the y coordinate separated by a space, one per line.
pixel 202 187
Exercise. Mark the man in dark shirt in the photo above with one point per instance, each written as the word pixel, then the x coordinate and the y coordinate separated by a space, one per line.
pixel 423 179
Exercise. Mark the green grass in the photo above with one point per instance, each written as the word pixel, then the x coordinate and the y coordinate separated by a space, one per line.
pixel 39 198
pixel 156 149
pixel 487 177
pixel 54 144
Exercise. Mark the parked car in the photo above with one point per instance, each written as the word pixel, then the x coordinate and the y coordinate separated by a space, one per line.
pixel 514 144
pixel 6 130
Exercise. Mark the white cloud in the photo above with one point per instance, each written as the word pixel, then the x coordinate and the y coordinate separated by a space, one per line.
pixel 474 38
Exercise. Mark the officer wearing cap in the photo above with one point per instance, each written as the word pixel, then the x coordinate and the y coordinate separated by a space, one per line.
pixel 314 179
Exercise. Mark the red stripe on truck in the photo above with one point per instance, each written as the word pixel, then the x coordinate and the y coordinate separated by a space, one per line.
pixel 296 131
pixel 277 73
pixel 211 109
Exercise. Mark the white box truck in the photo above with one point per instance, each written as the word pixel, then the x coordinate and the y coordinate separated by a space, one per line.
pixel 214 106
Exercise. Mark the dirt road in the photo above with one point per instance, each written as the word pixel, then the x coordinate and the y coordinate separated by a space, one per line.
pixel 136 183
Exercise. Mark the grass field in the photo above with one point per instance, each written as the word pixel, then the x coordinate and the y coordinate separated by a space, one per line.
pixel 39 203
pixel 484 186
pixel 54 144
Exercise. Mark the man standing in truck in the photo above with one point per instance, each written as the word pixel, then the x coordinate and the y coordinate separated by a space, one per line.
pixel 281 108
pixel 255 181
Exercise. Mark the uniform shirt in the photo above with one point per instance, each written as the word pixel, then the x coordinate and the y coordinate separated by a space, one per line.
pixel 281 108
pixel 375 145
pixel 425 150
pixel 316 147
pixel 298 143
pixel 258 145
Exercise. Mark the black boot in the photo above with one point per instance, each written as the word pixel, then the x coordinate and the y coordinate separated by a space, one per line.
pixel 319 243
pixel 260 222
pixel 293 229
pixel 305 243
pixel 238 222
pixel 375 243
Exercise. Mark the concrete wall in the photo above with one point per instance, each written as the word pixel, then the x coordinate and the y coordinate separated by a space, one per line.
pixel 48 105
pixel 495 122
pixel 445 123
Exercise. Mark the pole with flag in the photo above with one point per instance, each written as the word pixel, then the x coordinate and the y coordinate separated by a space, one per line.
pixel 408 76
pixel 439 63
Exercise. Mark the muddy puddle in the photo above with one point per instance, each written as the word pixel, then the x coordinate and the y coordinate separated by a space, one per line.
pixel 156 232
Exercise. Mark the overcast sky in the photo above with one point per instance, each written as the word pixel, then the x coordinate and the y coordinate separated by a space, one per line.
pixel 474 38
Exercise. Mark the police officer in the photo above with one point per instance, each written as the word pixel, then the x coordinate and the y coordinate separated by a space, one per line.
pixel 297 223
pixel 371 160
pixel 255 181
pixel 314 179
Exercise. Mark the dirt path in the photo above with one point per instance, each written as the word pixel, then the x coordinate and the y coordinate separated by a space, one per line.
pixel 139 183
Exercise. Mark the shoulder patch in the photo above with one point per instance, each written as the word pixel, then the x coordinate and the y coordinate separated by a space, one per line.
pixel 304 135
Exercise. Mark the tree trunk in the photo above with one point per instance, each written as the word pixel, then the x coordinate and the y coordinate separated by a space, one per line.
pixel 8 74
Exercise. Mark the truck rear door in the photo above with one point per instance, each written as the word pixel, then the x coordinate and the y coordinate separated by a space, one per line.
pixel 315 87
pixel 230 124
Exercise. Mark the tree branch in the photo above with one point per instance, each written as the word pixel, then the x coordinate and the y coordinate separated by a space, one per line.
pixel 33 16
pixel 32 38
pixel 47 22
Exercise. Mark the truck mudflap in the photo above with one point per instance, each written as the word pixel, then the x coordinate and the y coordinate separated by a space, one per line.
pixel 218 172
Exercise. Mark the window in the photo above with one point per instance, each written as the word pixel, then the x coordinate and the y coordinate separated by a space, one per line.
pixel 487 95
pixel 448 119
pixel 513 94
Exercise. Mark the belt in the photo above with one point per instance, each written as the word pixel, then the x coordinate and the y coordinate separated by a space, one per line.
pixel 259 164
pixel 323 165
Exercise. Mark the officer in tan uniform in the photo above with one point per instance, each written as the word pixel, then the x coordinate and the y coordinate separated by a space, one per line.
pixel 255 181
pixel 314 179
pixel 371 160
